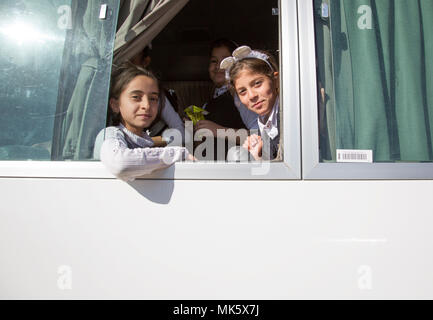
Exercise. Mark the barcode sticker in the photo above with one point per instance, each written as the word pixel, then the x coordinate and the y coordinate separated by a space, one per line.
pixel 345 155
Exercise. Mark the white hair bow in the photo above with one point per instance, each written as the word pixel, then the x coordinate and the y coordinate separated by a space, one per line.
pixel 240 54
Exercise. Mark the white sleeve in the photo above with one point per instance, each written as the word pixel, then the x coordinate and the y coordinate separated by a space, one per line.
pixel 128 164
pixel 172 118
pixel 249 118
pixel 98 143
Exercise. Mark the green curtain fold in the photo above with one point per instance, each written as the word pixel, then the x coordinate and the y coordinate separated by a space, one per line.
pixel 375 64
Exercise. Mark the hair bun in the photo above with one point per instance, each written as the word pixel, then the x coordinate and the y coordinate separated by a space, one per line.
pixel 227 63
pixel 242 52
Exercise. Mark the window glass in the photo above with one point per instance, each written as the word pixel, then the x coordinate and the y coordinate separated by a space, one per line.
pixel 55 62
pixel 375 80
pixel 181 56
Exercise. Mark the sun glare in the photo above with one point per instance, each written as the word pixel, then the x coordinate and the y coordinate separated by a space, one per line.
pixel 23 34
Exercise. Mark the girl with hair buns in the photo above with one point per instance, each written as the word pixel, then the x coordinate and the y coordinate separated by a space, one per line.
pixel 224 111
pixel 254 78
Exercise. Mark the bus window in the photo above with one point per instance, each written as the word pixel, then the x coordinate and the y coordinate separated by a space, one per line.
pixel 375 84
pixel 55 62
pixel 181 55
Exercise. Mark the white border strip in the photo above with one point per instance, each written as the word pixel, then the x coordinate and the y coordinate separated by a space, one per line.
pixel 183 171
pixel 289 71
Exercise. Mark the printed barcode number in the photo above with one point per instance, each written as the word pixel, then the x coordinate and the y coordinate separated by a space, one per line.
pixel 354 155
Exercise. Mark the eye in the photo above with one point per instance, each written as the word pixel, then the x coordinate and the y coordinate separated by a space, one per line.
pixel 242 92
pixel 154 99
pixel 258 83
pixel 136 98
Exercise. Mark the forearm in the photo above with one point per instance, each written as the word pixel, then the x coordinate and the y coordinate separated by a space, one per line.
pixel 128 164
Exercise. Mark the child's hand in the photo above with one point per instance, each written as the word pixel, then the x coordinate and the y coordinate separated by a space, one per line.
pixel 254 145
pixel 210 125
pixel 190 157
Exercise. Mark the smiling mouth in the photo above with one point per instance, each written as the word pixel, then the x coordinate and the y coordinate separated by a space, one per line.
pixel 258 104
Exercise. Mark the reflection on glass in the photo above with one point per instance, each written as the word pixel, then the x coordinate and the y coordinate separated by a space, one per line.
pixel 31 47
pixel 55 61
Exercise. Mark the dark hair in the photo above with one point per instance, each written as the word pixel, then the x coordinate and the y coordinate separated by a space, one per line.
pixel 255 65
pixel 222 42
pixel 120 78
pixel 140 58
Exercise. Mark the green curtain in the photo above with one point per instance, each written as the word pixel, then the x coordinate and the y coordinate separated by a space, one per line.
pixel 375 60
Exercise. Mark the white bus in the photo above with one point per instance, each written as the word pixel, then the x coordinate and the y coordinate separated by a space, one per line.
pixel 344 213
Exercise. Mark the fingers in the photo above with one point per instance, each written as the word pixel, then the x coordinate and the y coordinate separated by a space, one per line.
pixel 190 157
pixel 254 136
pixel 209 125
pixel 259 142
pixel 253 141
pixel 246 144
pixel 202 124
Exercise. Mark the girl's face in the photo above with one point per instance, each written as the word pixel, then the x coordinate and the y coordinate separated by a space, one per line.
pixel 137 104
pixel 257 91
pixel 216 74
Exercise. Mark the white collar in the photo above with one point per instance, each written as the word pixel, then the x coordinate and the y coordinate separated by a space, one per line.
pixel 144 142
pixel 271 125
pixel 220 91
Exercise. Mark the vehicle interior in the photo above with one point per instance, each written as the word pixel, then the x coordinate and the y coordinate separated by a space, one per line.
pixel 180 53
pixel 65 54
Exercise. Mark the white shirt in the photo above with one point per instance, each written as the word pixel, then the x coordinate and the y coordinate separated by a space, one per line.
pixel 172 118
pixel 128 156
pixel 271 125
pixel 220 91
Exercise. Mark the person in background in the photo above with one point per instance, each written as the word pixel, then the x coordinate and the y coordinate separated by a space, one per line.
pixel 224 111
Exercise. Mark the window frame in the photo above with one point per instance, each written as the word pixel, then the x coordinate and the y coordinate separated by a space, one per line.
pixel 312 168
pixel 288 169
